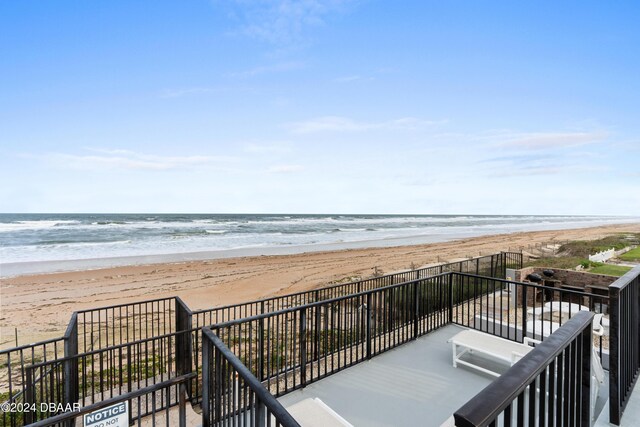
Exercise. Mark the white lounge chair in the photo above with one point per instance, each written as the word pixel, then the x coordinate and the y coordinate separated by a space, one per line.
pixel 541 328
pixel 510 351
pixel 313 412
pixel 470 341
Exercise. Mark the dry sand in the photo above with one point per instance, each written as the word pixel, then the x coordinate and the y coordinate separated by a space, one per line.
pixel 40 305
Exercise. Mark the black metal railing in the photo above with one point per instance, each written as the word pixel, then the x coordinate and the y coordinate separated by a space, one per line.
pixel 29 382
pixel 624 294
pixel 18 382
pixel 122 323
pixel 232 394
pixel 490 265
pixel 88 378
pixel 291 348
pixel 13 364
pixel 288 349
pixel 551 385
pixel 513 310
pixel 153 396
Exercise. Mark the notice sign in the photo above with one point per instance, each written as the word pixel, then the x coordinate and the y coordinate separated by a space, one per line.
pixel 112 416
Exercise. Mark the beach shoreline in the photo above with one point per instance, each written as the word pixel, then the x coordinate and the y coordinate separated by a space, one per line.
pixel 40 305
pixel 450 234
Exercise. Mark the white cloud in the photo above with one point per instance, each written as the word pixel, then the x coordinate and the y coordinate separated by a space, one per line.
pixel 354 78
pixel 177 93
pixel 285 169
pixel 530 171
pixel 344 124
pixel 545 140
pixel 125 159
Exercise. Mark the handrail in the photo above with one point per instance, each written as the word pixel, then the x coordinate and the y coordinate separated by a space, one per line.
pixel 626 279
pixel 281 414
pixel 497 396
pixel 31 345
pixel 106 307
pixel 117 399
pixel 531 285
pixel 379 278
pixel 323 302
pixel 114 347
pixel 624 345
pixel 371 291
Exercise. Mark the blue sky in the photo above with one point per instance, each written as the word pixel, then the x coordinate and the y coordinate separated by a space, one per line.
pixel 320 106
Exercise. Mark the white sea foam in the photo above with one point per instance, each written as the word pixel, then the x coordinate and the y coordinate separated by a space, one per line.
pixel 33 225
pixel 100 236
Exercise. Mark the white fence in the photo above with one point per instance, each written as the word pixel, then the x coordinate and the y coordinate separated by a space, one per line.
pixel 602 256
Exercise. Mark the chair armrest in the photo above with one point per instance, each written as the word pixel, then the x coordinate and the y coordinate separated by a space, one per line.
pixel 598 330
pixel 515 356
pixel 529 341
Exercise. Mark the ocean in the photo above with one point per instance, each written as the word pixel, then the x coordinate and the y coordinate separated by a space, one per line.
pixel 52 241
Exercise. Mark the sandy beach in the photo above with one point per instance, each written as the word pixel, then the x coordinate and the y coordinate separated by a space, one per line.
pixel 40 305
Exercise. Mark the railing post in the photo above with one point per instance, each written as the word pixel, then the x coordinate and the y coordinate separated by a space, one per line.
pixel 415 308
pixel 492 272
pixel 316 335
pixel 70 365
pixel 261 349
pixel 218 385
pixel 260 414
pixel 525 291
pixel 29 394
pixel 450 292
pixel 184 341
pixel 614 355
pixel 369 338
pixel 206 381
pixel 391 305
pixel 585 403
pixel 182 409
pixel 303 347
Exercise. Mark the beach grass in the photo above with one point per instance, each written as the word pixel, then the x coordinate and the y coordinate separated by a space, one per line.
pixel 563 262
pixel 570 263
pixel 584 248
pixel 610 269
pixel 632 255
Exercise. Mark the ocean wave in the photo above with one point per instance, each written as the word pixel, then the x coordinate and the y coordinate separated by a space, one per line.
pixel 35 225
pixel 42 238
pixel 84 244
pixel 110 223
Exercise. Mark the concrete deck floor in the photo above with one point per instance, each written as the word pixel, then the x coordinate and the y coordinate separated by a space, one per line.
pixel 412 385
pixel 631 414
pixel 415 385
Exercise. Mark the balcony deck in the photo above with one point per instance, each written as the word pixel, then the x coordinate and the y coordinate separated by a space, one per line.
pixel 631 416
pixel 414 384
